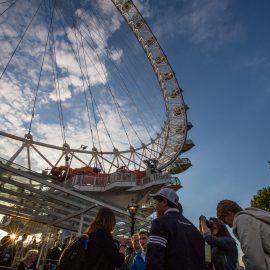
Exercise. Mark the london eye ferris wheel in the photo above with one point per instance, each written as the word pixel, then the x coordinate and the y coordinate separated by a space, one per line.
pixel 86 83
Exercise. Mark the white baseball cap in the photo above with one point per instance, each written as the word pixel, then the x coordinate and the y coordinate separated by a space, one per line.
pixel 169 194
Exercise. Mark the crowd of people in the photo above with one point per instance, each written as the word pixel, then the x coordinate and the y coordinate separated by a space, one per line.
pixel 173 243
pixel 18 252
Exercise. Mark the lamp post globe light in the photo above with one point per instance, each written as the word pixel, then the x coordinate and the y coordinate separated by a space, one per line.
pixel 132 209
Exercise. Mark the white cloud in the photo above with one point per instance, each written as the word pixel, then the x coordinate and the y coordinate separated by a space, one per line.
pixel 116 55
pixel 257 62
pixel 144 7
pixel 202 22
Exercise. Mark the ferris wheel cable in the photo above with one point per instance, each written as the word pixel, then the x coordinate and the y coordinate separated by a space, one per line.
pixel 124 113
pixel 106 129
pixel 4 2
pixel 128 41
pixel 57 90
pixel 117 106
pixel 129 159
pixel 119 73
pixel 128 67
pixel 91 95
pixel 85 97
pixel 41 69
pixel 89 86
pixel 56 84
pixel 133 128
pixel 18 44
pixel 8 6
pixel 116 102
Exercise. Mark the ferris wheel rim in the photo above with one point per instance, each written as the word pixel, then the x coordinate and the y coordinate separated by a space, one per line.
pixel 168 132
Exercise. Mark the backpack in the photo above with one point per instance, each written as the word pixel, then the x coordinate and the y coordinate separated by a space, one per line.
pixel 74 255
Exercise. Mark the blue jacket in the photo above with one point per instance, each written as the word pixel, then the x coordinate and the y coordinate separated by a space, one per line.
pixel 138 262
pixel 174 244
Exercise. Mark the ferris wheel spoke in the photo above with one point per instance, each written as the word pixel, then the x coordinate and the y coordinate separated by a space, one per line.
pixel 40 72
pixel 7 1
pixel 89 88
pixel 125 89
pixel 16 154
pixel 56 86
pixel 141 157
pixel 130 160
pixel 76 157
pixel 43 157
pixel 57 162
pixel 109 162
pixel 20 40
pixel 117 106
pixel 28 157
pixel 11 5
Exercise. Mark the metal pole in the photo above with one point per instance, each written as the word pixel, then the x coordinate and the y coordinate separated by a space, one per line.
pixel 132 224
pixel 81 224
pixel 67 172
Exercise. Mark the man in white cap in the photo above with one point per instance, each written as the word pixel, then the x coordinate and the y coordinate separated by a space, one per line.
pixel 174 242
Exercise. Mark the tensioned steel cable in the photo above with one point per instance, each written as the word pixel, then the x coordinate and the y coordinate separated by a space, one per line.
pixel 122 80
pixel 8 6
pixel 122 41
pixel 41 69
pixel 56 83
pixel 18 44
pixel 103 122
pixel 91 95
pixel 84 91
pixel 134 103
pixel 118 108
pixel 116 103
pixel 8 1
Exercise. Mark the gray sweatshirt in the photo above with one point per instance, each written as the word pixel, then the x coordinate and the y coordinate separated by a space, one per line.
pixel 252 229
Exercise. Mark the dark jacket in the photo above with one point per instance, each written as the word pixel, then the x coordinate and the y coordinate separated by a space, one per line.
pixel 174 244
pixel 102 252
pixel 224 251
pixel 22 266
pixel 7 253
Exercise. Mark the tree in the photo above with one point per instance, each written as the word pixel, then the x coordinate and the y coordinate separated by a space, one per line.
pixel 262 199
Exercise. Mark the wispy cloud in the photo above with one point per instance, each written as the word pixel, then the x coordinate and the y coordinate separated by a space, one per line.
pixel 144 7
pixel 257 62
pixel 201 21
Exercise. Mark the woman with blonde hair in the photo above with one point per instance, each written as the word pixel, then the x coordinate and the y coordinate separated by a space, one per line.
pixel 102 252
pixel 29 260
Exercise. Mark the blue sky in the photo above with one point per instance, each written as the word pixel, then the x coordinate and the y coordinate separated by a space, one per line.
pixel 220 53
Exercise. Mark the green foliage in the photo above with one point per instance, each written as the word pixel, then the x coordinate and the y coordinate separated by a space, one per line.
pixel 262 199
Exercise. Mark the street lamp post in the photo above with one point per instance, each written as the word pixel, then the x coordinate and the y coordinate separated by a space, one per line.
pixel 132 209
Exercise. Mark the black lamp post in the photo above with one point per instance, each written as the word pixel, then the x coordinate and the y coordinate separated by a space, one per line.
pixel 132 209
